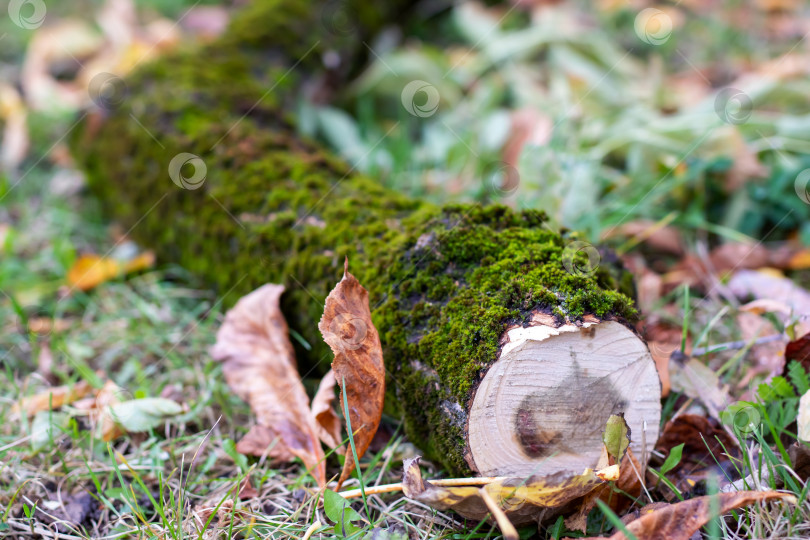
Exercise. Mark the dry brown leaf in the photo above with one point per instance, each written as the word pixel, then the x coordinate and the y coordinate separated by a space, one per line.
pixel 768 357
pixel 764 305
pixel 706 445
pixel 799 350
pixel 529 127
pixel 63 514
pixel 663 340
pixel 628 482
pixel 698 381
pixel 745 165
pixel 736 255
pixel 680 521
pixel 59 43
pixel 327 421
pixel 799 453
pixel 650 288
pixel 52 398
pixel 358 365
pixel 259 366
pixel 760 284
pixel 90 271
pixel 98 410
pixel 15 140
pixel 206 21
pixel 665 238
pixel 111 394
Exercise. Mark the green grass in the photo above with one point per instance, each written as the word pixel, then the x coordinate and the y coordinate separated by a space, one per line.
pixel 618 149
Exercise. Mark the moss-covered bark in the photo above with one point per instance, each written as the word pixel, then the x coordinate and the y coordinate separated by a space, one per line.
pixel 443 282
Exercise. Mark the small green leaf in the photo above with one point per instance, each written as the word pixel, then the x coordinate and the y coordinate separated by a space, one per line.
pixel 230 448
pixel 798 376
pixel 673 459
pixel 45 427
pixel 387 534
pixel 616 437
pixel 778 388
pixel 144 414
pixel 338 510
pixel 346 529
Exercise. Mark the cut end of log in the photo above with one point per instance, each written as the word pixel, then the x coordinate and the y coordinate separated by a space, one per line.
pixel 542 407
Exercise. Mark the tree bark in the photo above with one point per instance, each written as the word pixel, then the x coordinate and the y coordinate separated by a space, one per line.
pixel 455 291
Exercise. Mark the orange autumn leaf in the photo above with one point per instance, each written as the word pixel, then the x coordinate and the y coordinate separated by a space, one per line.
pixel 90 271
pixel 358 365
pixel 800 260
pixel 259 366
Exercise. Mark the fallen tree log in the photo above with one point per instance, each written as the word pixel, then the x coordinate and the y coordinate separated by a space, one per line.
pixel 503 357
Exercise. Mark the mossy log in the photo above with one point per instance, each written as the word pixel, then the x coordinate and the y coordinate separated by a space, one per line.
pixel 499 359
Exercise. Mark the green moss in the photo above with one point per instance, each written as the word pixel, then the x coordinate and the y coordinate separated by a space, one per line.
pixel 443 282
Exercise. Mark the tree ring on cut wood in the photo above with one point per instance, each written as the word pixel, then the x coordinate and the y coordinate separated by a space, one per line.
pixel 542 407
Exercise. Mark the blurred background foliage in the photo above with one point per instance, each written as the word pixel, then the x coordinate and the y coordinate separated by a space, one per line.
pixel 602 120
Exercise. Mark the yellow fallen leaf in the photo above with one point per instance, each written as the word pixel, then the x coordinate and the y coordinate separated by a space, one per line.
pixel 523 500
pixel 90 271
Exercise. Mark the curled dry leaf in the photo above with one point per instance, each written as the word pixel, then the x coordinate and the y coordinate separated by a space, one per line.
pixel 537 498
pixel 680 521
pixel 327 421
pixel 523 500
pixel 757 285
pixel 358 365
pixel 259 366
